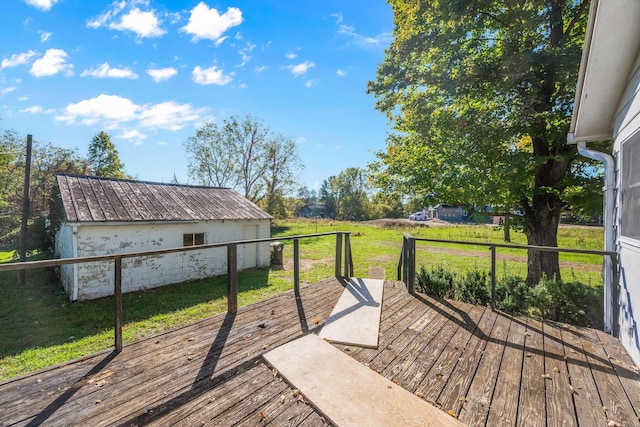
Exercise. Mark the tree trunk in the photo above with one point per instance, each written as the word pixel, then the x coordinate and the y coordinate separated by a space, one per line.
pixel 542 231
pixel 507 229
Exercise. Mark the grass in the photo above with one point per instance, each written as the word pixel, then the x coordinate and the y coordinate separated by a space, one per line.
pixel 40 327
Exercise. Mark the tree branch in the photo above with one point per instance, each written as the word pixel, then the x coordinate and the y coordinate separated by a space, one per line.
pixel 574 20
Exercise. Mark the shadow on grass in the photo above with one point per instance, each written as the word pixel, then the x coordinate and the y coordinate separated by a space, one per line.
pixel 39 314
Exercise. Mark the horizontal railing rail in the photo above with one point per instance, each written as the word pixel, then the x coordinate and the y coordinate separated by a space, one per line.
pixel 232 266
pixel 407 263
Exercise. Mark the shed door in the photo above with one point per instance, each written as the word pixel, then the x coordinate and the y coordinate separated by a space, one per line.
pixel 250 250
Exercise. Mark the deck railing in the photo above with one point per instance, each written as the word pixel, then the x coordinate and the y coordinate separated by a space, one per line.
pixel 407 264
pixel 342 264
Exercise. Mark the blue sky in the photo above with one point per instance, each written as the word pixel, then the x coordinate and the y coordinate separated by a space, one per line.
pixel 151 72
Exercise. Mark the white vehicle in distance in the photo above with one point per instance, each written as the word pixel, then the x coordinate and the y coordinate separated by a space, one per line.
pixel 418 216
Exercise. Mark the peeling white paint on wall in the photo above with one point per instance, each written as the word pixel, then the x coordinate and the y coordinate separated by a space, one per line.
pixel 96 279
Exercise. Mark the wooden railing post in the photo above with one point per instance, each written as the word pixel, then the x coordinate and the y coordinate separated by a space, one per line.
pixel 232 278
pixel 411 265
pixel 338 253
pixel 493 278
pixel 348 263
pixel 296 265
pixel 117 293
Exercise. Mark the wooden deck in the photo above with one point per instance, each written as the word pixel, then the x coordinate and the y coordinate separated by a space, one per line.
pixel 488 368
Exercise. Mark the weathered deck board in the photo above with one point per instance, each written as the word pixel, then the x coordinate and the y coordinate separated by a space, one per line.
pixel 212 372
pixel 532 410
pixel 560 406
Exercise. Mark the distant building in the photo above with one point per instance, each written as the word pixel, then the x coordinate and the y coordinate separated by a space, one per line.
pixel 102 216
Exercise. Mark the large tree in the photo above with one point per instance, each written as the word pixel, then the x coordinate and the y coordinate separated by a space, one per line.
pixel 103 157
pixel 480 94
pixel 244 154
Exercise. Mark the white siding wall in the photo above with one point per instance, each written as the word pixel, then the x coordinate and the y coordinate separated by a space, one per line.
pixel 64 249
pixel 626 127
pixel 96 279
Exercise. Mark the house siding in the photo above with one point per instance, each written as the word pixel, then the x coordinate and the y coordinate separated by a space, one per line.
pixel 626 127
pixel 97 279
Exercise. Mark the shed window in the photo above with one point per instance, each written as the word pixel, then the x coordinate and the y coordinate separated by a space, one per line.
pixel 193 239
pixel 629 224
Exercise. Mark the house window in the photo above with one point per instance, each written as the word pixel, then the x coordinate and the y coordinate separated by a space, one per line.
pixel 629 224
pixel 193 239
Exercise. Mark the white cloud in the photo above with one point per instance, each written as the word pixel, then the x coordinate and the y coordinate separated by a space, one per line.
pixel 142 23
pixel 53 62
pixel 17 59
pixel 381 39
pixel 105 71
pixel 310 83
pixel 44 35
pixel 36 109
pixel 114 112
pixel 103 108
pixel 9 89
pixel 41 4
pixel 300 69
pixel 301 140
pixel 169 115
pixel 161 74
pixel 208 23
pixel 102 20
pixel 245 53
pixel 209 76
pixel 23 98
pixel 132 134
pixel 261 68
pixel 338 17
pixel 341 73
pixel 290 55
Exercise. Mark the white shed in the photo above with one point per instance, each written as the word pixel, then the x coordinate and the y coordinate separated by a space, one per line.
pixel 607 107
pixel 104 216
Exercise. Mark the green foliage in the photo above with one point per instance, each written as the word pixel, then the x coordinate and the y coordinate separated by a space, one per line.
pixel 570 302
pixel 103 158
pixel 438 281
pixel 480 95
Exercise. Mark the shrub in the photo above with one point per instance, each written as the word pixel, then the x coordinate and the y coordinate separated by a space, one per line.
pixel 438 282
pixel 569 302
pixel 473 288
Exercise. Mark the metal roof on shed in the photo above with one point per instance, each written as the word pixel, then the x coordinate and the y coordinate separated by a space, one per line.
pixel 97 199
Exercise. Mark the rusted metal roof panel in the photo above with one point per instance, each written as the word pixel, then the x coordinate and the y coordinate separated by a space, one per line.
pixel 97 199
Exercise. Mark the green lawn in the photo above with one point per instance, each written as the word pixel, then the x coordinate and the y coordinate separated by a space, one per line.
pixel 40 327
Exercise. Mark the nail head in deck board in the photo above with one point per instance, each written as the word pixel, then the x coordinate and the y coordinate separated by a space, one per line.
pixel 613 395
pixel 559 399
pixel 355 320
pixel 586 398
pixel 531 408
pixel 347 392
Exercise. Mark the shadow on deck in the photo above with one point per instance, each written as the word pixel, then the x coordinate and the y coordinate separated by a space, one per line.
pixel 488 368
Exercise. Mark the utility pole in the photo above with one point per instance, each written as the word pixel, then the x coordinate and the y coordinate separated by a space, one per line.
pixel 25 209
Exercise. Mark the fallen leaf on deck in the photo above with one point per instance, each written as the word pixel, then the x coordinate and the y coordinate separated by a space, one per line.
pixel 316 320
pixel 546 376
pixel 604 408
pixel 556 369
pixel 262 416
pixel 571 389
pixel 453 414
pixel 266 346
pixel 420 394
pixel 612 423
pixel 273 311
pixel 282 399
pixel 296 393
pixel 463 400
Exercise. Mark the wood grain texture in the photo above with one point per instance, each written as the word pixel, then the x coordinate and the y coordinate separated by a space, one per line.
pixel 212 371
pixel 347 392
pixel 355 320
